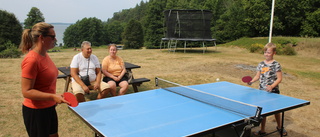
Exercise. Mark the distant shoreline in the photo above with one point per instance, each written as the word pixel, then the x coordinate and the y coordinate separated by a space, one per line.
pixel 61 23
pixel 55 23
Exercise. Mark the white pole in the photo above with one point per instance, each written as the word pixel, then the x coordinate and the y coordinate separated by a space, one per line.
pixel 271 20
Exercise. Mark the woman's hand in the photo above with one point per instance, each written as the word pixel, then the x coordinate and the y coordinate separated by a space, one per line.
pixel 117 78
pixel 59 99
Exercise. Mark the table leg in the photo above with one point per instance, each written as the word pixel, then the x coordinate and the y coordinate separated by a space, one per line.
pixel 66 86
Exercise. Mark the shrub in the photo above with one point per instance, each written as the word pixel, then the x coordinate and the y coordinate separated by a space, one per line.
pixel 11 52
pixel 279 49
pixel 285 49
pixel 282 49
pixel 283 41
pixel 288 50
pixel 256 48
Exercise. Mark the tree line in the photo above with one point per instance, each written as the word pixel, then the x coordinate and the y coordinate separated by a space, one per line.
pixel 232 19
pixel 143 25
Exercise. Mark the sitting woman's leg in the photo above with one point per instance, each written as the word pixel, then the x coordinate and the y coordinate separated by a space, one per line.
pixel 123 87
pixel 113 88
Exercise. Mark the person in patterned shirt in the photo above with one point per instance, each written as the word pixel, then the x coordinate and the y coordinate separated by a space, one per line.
pixel 270 75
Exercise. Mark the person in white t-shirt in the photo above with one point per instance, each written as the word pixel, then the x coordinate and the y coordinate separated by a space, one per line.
pixel 83 64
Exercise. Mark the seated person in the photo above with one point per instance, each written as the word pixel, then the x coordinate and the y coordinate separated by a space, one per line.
pixel 114 70
pixel 85 63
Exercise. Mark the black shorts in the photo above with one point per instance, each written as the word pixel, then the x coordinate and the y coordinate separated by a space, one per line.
pixel 107 79
pixel 277 91
pixel 40 122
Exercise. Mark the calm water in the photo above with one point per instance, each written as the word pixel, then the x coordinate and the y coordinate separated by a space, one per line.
pixel 59 29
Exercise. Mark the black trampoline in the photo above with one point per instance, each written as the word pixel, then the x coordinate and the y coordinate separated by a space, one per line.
pixel 187 25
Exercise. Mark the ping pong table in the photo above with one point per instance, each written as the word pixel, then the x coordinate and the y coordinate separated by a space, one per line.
pixel 162 113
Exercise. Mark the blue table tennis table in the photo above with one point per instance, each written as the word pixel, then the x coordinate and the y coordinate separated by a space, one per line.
pixel 163 113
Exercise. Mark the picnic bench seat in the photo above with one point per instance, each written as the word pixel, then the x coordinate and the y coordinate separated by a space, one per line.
pixel 62 76
pixel 137 82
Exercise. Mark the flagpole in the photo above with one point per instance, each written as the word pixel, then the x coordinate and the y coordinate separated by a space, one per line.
pixel 271 20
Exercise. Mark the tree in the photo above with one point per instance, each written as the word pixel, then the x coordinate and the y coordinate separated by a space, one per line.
pixel 231 24
pixel 113 32
pixel 154 23
pixel 257 17
pixel 34 16
pixel 133 35
pixel 11 29
pixel 311 26
pixel 87 29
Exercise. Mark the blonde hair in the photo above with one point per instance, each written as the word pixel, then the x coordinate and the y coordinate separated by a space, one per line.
pixel 270 45
pixel 110 45
pixel 30 36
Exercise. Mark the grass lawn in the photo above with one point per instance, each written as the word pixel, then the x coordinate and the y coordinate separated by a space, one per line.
pixel 228 63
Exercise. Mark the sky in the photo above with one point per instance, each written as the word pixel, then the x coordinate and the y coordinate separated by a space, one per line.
pixel 67 11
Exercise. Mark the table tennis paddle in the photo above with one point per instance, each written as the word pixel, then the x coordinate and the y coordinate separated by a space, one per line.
pixel 71 99
pixel 246 79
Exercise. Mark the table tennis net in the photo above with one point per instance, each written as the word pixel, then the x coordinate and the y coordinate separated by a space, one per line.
pixel 243 109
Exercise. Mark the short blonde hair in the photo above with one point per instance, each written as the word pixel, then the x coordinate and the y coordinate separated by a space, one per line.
pixel 270 45
pixel 110 45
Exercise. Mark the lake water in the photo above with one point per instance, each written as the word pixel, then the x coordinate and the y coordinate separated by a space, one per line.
pixel 59 29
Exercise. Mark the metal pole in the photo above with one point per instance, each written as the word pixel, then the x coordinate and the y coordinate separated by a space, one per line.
pixel 271 20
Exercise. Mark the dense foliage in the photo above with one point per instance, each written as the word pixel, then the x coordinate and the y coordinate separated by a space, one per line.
pixel 232 19
pixel 113 31
pixel 34 16
pixel 11 51
pixel 133 35
pixel 10 34
pixel 87 29
pixel 10 28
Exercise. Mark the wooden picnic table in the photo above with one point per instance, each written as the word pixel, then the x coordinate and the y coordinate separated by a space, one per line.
pixel 135 82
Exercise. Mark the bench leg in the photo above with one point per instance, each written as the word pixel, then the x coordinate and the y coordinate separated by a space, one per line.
pixel 135 88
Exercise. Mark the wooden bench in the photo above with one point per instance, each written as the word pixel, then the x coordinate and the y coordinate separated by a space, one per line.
pixel 137 82
pixel 62 76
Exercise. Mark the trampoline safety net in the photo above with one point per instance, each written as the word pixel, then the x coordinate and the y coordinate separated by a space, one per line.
pixel 194 24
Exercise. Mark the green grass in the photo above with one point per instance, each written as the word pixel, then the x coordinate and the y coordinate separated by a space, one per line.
pixel 246 42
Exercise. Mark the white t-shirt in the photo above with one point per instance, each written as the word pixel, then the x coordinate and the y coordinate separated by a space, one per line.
pixel 79 61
